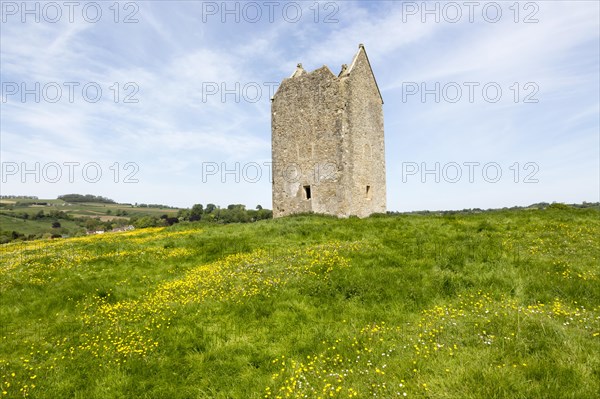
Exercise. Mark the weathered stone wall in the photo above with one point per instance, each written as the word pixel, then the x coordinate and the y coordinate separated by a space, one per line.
pixel 364 117
pixel 327 142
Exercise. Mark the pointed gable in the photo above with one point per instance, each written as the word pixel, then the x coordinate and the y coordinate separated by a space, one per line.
pixel 361 55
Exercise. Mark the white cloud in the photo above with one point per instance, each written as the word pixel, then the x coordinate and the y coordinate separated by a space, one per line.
pixel 171 54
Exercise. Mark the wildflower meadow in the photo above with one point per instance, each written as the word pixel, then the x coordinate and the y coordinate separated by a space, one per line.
pixel 498 304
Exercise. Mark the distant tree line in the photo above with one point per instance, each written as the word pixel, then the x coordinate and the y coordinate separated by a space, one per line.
pixel 234 213
pixel 159 206
pixel 31 197
pixel 85 198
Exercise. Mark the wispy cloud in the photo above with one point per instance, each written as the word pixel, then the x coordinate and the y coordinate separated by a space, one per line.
pixel 174 52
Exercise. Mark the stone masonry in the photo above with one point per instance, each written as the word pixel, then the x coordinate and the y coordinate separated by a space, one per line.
pixel 327 142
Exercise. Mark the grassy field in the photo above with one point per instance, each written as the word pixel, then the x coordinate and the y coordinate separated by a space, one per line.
pixel 502 304
pixel 71 216
pixel 89 209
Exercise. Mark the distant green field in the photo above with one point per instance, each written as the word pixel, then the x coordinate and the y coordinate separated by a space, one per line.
pixel 86 208
pixel 12 210
pixel 502 304
pixel 32 226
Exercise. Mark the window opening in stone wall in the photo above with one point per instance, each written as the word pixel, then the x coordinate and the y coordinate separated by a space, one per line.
pixel 368 192
pixel 307 193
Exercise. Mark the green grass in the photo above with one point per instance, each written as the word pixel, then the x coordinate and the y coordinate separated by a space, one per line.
pixel 502 304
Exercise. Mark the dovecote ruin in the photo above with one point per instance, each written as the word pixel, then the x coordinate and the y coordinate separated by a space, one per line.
pixel 328 143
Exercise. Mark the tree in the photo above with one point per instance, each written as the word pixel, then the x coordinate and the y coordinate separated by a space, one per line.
pixel 183 214
pixel 558 205
pixel 210 208
pixel 92 224
pixel 146 221
pixel 196 212
pixel 171 221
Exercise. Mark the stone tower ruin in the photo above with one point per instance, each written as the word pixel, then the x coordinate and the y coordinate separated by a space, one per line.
pixel 327 142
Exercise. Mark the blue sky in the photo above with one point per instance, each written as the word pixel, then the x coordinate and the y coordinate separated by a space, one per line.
pixel 524 129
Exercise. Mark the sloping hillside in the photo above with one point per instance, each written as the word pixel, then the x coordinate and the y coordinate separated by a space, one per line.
pixel 499 304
